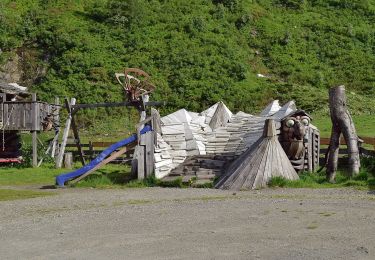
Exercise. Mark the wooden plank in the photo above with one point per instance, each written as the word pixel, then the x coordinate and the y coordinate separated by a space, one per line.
pixel 149 153
pixel 60 156
pixel 34 132
pixel 105 161
pixel 117 104
pixel 75 133
pixel 366 140
pixel 68 160
pixel 56 116
pixel 310 150
pixel 141 161
pixel 317 149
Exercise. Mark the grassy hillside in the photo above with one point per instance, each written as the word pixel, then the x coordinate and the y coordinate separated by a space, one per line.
pixel 197 51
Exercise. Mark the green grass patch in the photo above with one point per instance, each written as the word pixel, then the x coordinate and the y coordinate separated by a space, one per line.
pixel 6 194
pixel 108 176
pixel 28 176
pixel 314 180
pixel 365 124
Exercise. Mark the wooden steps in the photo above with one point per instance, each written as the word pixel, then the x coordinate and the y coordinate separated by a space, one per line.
pixel 199 169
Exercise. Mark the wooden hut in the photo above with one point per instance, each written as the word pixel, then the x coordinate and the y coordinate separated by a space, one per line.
pixel 19 112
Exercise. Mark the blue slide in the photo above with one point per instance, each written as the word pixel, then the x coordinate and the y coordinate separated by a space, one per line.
pixel 61 179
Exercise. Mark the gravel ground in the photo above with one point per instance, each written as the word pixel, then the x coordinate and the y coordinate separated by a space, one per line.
pixel 157 223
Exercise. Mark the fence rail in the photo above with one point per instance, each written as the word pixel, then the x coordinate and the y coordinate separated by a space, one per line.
pixel 366 140
pixel 363 151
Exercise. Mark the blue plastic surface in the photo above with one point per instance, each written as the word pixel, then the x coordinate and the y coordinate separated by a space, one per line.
pixel 61 179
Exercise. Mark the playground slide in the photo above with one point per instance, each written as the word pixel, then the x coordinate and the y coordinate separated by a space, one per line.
pixel 61 179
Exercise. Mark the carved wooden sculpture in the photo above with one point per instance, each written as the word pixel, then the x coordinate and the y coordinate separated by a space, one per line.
pixel 341 123
pixel 294 129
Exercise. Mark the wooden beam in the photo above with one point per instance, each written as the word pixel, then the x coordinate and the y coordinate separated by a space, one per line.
pixel 105 161
pixel 60 156
pixel 34 132
pixel 57 131
pixel 149 150
pixel 76 134
pixel 75 108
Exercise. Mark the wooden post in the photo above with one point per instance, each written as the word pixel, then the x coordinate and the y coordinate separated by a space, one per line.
pixel 156 122
pixel 75 133
pixel 56 117
pixel 341 123
pixel 149 153
pixel 143 115
pixel 34 132
pixel 141 152
pixel 60 156
pixel 68 160
pixel 310 149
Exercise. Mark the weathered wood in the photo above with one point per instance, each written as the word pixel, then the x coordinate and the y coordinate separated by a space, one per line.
pixel 55 144
pixel 333 155
pixel 77 107
pixel 60 156
pixel 156 122
pixel 34 132
pixel 341 123
pixel 254 168
pixel 141 158
pixel 68 160
pixel 310 154
pixel 75 133
pixel 50 147
pixel 149 153
pixel 104 162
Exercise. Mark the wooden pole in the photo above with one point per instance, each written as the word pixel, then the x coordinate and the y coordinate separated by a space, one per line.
pixel 34 132
pixel 341 123
pixel 75 133
pixel 60 156
pixel 56 117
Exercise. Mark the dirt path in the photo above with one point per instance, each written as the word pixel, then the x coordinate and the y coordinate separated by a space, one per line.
pixel 157 223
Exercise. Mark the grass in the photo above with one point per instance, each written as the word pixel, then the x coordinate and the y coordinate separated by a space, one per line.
pixel 109 175
pixel 29 176
pixel 6 194
pixel 365 124
pixel 314 180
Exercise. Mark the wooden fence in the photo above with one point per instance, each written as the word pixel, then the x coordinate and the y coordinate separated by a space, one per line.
pixel 92 149
pixel 364 151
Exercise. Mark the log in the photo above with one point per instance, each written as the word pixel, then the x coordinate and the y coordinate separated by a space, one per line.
pixel 342 123
pixel 34 132
pixel 60 156
pixel 68 160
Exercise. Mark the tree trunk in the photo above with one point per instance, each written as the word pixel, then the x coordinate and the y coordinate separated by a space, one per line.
pixel 341 123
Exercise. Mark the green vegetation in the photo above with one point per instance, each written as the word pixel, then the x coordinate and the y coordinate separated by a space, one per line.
pixel 364 124
pixel 29 176
pixel 365 180
pixel 197 51
pixel 109 175
pixel 6 194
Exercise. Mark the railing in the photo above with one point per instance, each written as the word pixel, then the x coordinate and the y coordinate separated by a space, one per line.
pixel 92 149
pixel 370 141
